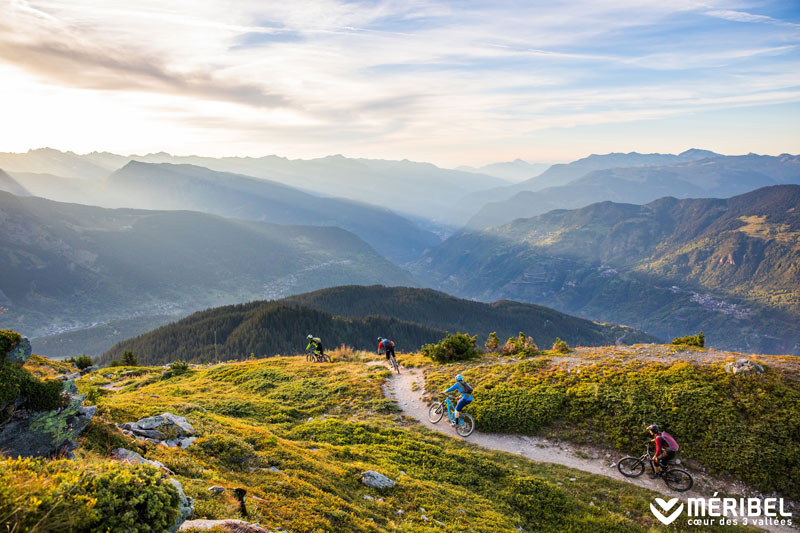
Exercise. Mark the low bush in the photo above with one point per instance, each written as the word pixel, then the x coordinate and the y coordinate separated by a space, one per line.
pixel 82 496
pixel 536 500
pixel 230 451
pixel 520 345
pixel 691 340
pixel 560 346
pixel 82 361
pixel 9 339
pixel 458 347
pixel 492 342
pixel 177 368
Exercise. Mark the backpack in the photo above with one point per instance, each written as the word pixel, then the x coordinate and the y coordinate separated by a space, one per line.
pixel 465 388
pixel 672 444
pixel 388 344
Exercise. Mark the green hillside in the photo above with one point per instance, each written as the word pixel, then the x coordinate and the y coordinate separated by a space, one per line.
pixel 355 316
pixel 727 267
pixel 68 266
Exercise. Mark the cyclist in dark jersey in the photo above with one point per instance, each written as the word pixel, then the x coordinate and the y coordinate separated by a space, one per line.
pixel 664 452
pixel 387 346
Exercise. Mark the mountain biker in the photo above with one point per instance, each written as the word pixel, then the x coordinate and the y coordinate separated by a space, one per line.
pixel 316 343
pixel 387 346
pixel 665 451
pixel 466 397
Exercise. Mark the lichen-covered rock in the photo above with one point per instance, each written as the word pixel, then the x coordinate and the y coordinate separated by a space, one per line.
pixel 373 479
pixel 21 353
pixel 743 366
pixel 48 433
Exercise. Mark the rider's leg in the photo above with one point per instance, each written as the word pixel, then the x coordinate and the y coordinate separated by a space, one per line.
pixel 462 403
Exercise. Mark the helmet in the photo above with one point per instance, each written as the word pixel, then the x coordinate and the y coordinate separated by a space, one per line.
pixel 310 337
pixel 380 339
pixel 654 428
pixel 459 378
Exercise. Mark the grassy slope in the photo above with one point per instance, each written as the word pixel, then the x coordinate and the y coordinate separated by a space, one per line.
pixel 743 424
pixel 253 415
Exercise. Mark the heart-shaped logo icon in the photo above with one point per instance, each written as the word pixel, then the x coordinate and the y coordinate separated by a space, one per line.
pixel 666 506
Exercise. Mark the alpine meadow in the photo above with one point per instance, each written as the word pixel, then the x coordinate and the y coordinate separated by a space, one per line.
pixel 374 266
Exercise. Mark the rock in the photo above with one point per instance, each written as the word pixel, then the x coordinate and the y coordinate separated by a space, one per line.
pixel 743 366
pixel 399 512
pixel 234 526
pixel 21 353
pixel 127 456
pixel 422 510
pixel 186 442
pixel 152 433
pixel 425 518
pixel 216 489
pixel 47 433
pixel 169 443
pixel 185 506
pixel 572 479
pixel 170 425
pixel 373 479
pixel 273 469
pixel 368 497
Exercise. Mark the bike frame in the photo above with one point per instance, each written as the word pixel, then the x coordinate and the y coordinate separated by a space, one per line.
pixel 450 415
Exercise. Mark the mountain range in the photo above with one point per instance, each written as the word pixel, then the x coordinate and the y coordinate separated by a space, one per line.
pixel 68 266
pixel 729 267
pixel 355 316
pixel 713 177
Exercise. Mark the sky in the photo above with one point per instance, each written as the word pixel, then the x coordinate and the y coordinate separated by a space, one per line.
pixel 447 82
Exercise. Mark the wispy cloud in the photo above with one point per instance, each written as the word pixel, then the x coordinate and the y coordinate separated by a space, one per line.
pixel 391 77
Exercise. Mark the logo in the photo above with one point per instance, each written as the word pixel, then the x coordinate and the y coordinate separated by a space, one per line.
pixel 666 506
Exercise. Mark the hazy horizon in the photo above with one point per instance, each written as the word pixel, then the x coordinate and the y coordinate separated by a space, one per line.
pixel 465 84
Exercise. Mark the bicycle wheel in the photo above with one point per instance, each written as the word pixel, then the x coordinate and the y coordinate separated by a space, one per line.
pixel 631 467
pixel 395 365
pixel 436 412
pixel 468 427
pixel 678 480
pixel 310 357
pixel 325 358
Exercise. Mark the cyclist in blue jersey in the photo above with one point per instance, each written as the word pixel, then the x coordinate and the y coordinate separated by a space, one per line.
pixel 466 397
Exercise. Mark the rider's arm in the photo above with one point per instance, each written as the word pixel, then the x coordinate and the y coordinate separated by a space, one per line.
pixel 309 346
pixel 453 388
pixel 658 445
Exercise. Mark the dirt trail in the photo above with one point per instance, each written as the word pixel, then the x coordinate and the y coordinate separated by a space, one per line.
pixel 399 388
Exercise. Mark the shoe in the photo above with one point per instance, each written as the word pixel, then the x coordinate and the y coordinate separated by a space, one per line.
pixel 654 475
pixel 452 424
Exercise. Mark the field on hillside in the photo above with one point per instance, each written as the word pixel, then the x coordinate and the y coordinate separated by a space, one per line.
pixel 296 437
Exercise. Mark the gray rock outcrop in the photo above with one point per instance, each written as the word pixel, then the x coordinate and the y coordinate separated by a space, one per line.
pixel 167 429
pixel 373 479
pixel 743 366
pixel 21 353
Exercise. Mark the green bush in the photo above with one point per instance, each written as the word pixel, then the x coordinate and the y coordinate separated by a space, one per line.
pixel 458 347
pixel 492 342
pixel 42 395
pixel 70 496
pixel 8 341
pixel 560 346
pixel 520 345
pixel 536 500
pixel 691 340
pixel 177 368
pixel 231 451
pixel 82 361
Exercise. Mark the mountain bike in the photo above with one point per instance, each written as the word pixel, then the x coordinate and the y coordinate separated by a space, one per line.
pixel 395 365
pixel 466 423
pixel 317 357
pixel 677 479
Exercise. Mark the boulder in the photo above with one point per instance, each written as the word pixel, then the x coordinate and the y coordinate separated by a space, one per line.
pixel 127 456
pixel 152 433
pixel 21 353
pixel 373 479
pixel 216 489
pixel 47 433
pixel 169 424
pixel 743 366
pixel 185 508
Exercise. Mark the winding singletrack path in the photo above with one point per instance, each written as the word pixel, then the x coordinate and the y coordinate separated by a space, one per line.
pixel 400 389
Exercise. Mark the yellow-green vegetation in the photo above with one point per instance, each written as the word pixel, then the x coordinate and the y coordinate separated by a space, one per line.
pixel 84 495
pixel 296 437
pixel 458 347
pixel 698 340
pixel 744 424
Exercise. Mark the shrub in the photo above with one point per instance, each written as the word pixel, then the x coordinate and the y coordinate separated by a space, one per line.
pixel 231 451
pixel 42 395
pixel 521 344
pixel 128 359
pixel 177 368
pixel 458 347
pixel 536 500
pixel 560 346
pixel 8 341
pixel 82 361
pixel 493 342
pixel 69 496
pixel 691 340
